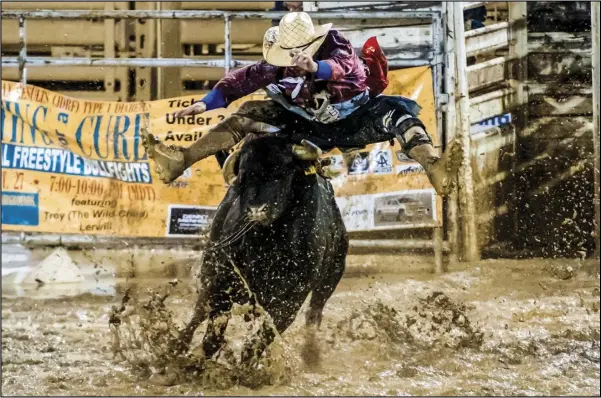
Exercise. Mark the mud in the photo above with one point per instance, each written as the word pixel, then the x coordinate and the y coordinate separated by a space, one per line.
pixel 498 327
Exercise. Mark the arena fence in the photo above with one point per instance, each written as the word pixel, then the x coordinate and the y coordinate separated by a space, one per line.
pixel 22 61
pixel 454 83
pixel 595 27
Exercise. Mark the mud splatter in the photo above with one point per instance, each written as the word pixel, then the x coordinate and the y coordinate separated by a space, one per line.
pixel 464 333
pixel 146 335
pixel 435 321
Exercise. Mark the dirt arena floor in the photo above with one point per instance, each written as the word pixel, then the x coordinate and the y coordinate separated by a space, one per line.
pixel 498 327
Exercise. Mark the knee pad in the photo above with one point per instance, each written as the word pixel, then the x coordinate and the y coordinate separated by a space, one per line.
pixel 412 135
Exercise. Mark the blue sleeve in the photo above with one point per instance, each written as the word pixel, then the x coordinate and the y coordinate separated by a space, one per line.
pixel 214 99
pixel 324 71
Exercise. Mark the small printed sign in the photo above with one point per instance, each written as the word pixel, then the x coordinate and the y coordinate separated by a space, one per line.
pixel 360 164
pixel 404 208
pixel 406 169
pixel 20 208
pixel 495 121
pixel 189 220
pixel 356 211
pixel 382 161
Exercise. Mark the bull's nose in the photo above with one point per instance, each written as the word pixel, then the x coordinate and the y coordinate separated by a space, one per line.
pixel 257 213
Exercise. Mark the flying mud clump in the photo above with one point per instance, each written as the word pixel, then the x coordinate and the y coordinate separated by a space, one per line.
pixel 434 322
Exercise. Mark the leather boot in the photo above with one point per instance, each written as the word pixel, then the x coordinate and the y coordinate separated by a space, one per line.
pixel 169 160
pixel 441 171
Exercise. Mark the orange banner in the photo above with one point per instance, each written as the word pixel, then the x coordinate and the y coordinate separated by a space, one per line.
pixel 77 166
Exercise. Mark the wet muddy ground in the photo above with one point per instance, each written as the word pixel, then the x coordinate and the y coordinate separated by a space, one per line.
pixel 498 327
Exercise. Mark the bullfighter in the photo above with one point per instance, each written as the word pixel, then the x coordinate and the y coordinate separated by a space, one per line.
pixel 321 90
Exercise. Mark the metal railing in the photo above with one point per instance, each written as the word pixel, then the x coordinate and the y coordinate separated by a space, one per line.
pixel 596 49
pixel 22 61
pixel 434 58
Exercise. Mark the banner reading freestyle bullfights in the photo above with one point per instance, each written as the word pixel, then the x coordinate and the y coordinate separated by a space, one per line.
pixel 77 166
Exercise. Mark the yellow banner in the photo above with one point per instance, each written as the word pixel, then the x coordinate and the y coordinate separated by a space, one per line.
pixel 76 166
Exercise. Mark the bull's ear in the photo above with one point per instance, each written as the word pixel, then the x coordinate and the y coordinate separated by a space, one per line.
pixel 306 150
pixel 229 168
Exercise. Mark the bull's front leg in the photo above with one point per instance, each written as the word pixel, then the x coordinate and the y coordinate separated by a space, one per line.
pixel 266 334
pixel 214 338
pixel 201 311
pixel 202 307
pixel 254 348
pixel 210 282
pixel 222 298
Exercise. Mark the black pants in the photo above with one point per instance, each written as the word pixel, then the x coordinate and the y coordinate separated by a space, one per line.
pixel 383 118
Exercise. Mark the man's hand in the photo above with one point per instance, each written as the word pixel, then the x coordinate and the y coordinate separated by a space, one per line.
pixel 303 61
pixel 194 109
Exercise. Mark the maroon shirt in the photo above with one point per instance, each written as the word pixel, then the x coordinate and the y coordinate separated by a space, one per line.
pixel 348 78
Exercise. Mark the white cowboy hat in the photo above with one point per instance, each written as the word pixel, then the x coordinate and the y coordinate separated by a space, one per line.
pixel 296 31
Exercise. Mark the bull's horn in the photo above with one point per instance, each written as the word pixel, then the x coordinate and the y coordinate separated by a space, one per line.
pixel 229 168
pixel 306 150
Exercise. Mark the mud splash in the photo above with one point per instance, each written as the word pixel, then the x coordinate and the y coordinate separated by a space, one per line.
pixel 463 333
pixel 435 321
pixel 145 335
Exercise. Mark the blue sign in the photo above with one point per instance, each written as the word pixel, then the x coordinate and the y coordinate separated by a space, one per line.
pixel 19 208
pixel 495 121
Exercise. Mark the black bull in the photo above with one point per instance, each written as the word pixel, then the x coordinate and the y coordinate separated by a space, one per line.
pixel 277 236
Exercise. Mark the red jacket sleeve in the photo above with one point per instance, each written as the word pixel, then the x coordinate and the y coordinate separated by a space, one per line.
pixel 247 80
pixel 341 58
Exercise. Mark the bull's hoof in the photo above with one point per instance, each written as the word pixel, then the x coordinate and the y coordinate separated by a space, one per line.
pixel 165 380
pixel 179 346
pixel 251 353
pixel 251 382
pixel 311 352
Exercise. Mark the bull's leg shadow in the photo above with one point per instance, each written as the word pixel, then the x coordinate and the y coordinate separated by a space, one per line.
pixel 310 350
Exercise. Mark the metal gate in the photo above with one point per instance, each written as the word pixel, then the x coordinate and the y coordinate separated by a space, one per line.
pixel 454 82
